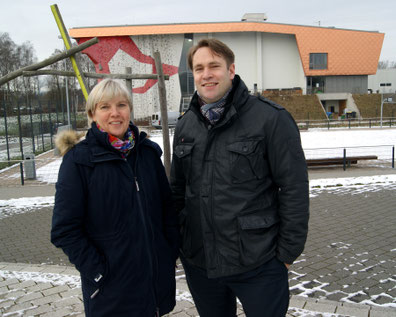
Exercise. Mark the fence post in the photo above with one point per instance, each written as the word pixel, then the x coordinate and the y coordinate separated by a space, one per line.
pixel 344 160
pixel 31 122
pixel 20 127
pixel 393 156
pixel 370 123
pixel 21 169
pixel 41 122
pixel 349 123
pixel 6 129
pixel 50 125
pixel 328 124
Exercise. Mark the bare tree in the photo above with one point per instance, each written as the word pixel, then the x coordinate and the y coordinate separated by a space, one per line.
pixel 386 64
pixel 7 59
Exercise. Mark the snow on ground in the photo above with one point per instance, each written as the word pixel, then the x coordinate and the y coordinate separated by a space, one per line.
pixel 55 279
pixel 317 138
pixel 343 186
pixel 12 207
pixel 352 185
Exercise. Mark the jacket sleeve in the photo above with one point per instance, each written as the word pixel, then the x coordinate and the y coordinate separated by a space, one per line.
pixel 68 224
pixel 177 178
pixel 289 170
pixel 170 218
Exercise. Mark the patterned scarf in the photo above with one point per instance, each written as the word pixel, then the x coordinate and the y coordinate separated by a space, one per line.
pixel 213 111
pixel 123 146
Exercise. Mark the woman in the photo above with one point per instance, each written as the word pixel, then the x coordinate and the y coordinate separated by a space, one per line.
pixel 113 215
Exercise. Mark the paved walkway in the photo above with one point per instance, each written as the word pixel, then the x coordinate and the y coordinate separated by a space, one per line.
pixel 347 268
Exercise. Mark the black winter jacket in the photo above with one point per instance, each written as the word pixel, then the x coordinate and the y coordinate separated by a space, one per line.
pixel 114 219
pixel 241 186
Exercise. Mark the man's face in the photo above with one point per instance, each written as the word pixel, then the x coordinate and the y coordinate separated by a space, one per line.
pixel 212 77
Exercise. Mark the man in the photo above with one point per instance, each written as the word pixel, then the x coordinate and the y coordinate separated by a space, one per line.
pixel 240 184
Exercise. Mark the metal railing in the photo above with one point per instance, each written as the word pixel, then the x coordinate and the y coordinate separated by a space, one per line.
pixel 388 122
pixel 384 153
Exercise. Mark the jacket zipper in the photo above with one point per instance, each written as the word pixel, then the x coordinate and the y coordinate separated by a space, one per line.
pixel 147 226
pixel 212 142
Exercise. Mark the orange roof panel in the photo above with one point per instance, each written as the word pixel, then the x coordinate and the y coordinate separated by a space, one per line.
pixel 350 52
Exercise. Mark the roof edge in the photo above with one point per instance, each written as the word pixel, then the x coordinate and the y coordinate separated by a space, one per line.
pixel 215 23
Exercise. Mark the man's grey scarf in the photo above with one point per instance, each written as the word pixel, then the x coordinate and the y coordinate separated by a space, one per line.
pixel 213 111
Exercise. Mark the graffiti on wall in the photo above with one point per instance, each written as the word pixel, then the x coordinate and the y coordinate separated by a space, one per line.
pixel 113 54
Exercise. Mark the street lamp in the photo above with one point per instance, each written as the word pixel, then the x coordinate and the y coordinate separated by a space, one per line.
pixel 67 90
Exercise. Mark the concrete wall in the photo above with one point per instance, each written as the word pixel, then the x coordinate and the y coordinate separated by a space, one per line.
pixel 339 99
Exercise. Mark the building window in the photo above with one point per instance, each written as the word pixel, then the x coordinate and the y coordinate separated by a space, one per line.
pixel 185 75
pixel 318 61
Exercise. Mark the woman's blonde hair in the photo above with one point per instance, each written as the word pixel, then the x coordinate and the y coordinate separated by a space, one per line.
pixel 104 91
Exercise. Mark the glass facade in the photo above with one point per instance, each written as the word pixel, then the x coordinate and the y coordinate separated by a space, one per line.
pixel 185 74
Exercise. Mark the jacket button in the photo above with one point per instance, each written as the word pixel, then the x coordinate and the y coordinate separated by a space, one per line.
pixel 244 148
pixel 181 152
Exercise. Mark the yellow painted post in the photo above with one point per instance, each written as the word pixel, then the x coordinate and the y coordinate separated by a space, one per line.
pixel 66 40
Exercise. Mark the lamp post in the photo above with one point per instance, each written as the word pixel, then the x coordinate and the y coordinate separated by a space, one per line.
pixel 67 90
pixel 386 100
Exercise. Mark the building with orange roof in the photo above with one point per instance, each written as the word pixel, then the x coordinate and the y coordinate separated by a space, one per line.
pixel 269 56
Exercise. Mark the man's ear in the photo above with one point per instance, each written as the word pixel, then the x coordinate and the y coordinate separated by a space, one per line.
pixel 231 70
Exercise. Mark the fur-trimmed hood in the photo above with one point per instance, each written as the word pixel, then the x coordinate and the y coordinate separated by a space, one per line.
pixel 65 140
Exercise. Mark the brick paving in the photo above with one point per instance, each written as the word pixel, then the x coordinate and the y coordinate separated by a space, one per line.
pixel 348 267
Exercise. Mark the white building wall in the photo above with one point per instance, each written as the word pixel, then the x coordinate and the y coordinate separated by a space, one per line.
pixel 271 61
pixel 244 47
pixel 383 76
pixel 282 67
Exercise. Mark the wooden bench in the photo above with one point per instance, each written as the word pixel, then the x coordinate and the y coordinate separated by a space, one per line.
pixel 339 160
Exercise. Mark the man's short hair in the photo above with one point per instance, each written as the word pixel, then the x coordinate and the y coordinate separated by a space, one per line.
pixel 216 46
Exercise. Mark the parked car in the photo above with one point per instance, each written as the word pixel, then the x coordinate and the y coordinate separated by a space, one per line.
pixel 172 119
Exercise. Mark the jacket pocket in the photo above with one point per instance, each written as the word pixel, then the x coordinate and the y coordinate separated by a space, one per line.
pixel 184 154
pixel 246 160
pixel 257 234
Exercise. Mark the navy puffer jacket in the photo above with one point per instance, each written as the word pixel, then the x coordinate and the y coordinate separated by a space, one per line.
pixel 114 219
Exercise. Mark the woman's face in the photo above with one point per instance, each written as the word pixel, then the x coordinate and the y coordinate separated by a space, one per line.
pixel 113 116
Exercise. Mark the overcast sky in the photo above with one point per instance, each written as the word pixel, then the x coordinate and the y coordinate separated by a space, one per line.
pixel 32 20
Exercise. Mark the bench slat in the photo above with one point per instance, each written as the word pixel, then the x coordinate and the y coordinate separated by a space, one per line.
pixel 339 160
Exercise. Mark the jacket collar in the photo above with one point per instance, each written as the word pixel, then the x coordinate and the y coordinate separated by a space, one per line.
pixel 235 101
pixel 100 147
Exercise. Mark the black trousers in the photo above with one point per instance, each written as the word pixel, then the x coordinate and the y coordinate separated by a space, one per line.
pixel 263 292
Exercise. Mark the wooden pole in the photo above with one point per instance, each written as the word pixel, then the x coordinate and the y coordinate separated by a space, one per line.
pixel 164 112
pixel 128 70
pixel 48 61
pixel 91 75
pixel 74 59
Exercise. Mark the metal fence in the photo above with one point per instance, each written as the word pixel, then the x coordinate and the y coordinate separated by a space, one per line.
pixel 347 123
pixel 385 154
pixel 27 131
